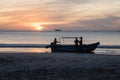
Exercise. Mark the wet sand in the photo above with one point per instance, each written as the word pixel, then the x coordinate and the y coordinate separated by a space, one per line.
pixel 59 66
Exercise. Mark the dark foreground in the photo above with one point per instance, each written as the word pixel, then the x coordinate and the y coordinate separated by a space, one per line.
pixel 59 67
pixel 63 74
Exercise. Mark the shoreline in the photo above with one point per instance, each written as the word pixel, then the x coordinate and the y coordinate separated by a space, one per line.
pixel 59 66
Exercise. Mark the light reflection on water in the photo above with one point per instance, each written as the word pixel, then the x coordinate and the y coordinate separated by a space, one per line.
pixel 43 50
pixel 107 51
pixel 24 50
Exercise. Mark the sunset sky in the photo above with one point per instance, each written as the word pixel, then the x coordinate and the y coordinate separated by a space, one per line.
pixel 81 15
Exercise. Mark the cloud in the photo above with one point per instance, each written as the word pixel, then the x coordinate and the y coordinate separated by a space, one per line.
pixel 107 23
pixel 72 14
pixel 70 2
pixel 13 26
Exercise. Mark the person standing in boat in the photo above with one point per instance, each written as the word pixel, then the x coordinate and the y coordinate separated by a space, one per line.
pixel 81 41
pixel 76 41
pixel 55 41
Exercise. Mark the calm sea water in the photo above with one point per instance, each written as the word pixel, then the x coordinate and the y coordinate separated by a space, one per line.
pixel 28 37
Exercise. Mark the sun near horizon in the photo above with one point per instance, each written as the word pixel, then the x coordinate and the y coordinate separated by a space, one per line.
pixel 37 26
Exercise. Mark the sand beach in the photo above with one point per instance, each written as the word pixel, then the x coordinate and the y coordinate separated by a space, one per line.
pixel 59 66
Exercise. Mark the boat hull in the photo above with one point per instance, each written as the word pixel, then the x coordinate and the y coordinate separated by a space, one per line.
pixel 73 48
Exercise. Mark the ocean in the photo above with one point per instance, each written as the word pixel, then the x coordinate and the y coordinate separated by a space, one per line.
pixel 107 39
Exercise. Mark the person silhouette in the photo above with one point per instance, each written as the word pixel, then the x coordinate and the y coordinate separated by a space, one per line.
pixel 55 41
pixel 81 41
pixel 76 41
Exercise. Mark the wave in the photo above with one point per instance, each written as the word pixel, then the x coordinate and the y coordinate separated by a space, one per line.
pixel 44 45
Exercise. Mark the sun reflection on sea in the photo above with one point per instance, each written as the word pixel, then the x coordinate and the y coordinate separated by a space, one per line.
pixel 24 50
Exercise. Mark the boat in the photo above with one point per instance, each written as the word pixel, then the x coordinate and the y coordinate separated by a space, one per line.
pixel 58 30
pixel 72 48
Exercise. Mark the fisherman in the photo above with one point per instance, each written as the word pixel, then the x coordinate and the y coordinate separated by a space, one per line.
pixel 76 41
pixel 55 42
pixel 81 41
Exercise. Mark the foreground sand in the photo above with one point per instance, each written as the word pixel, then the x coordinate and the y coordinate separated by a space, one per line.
pixel 59 66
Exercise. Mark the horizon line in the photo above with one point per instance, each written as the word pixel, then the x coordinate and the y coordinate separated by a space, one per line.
pixel 61 30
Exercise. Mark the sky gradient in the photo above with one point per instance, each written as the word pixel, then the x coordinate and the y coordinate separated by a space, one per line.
pixel 90 15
